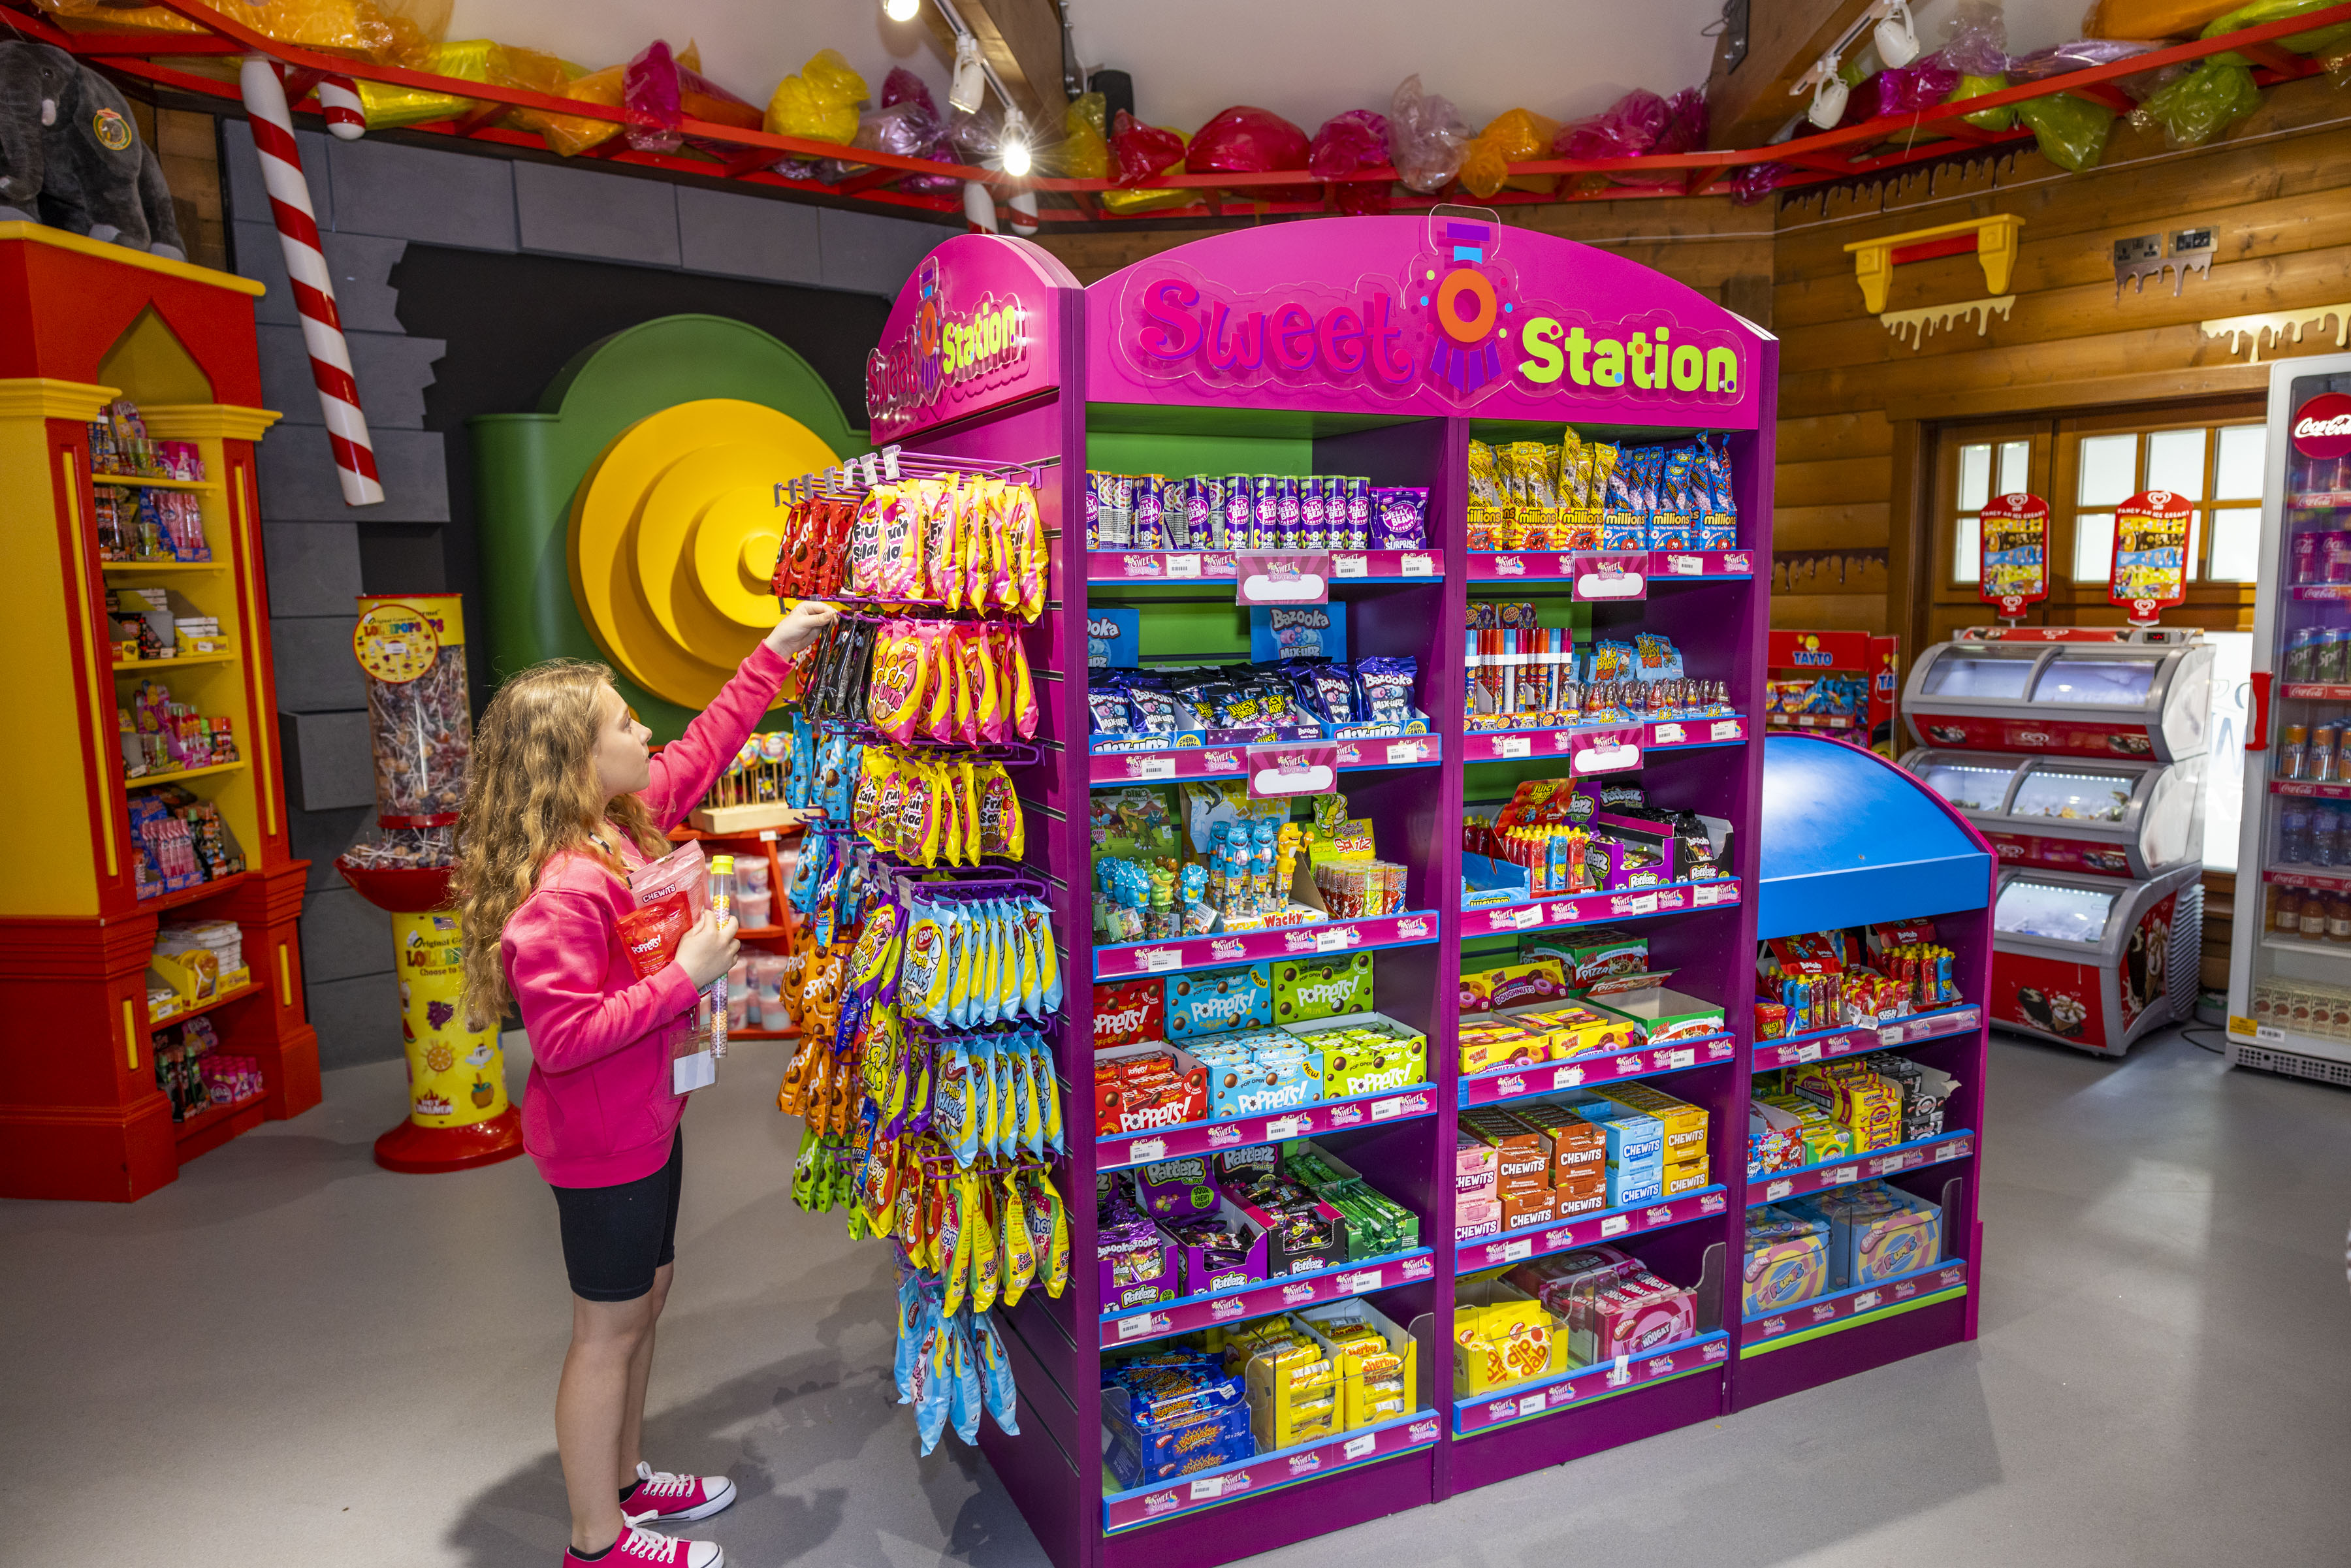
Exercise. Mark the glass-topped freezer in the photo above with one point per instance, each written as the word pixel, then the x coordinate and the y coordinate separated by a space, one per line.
pixel 2092 962
pixel 2070 691
pixel 2289 979
pixel 2106 819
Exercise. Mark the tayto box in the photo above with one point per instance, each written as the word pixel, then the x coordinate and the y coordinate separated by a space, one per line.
pixel 1664 1016
pixel 1589 955
pixel 1322 987
pixel 1363 1053
pixel 1475 1217
pixel 1147 1085
pixel 1128 1010
pixel 1787 1259
pixel 1213 1001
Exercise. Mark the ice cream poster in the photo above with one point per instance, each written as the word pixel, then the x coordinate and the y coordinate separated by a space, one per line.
pixel 2150 560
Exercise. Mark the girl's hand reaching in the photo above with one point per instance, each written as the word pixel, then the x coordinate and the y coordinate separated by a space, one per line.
pixel 709 950
pixel 800 625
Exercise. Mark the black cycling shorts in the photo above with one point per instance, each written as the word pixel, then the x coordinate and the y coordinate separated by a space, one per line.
pixel 615 1237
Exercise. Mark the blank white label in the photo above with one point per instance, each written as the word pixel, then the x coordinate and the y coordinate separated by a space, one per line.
pixel 688 1073
pixel 1207 1487
pixel 1532 1404
pixel 1407 750
pixel 1357 1284
pixel 1688 1057
pixel 1774 1191
pixel 1616 1224
pixel 1647 903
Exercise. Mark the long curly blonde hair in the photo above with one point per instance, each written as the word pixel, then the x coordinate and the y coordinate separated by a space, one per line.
pixel 531 796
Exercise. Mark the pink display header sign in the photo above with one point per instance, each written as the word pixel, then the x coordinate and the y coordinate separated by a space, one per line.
pixel 1444 314
pixel 975 328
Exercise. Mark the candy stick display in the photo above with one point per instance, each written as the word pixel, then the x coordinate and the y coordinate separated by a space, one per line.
pixel 339 100
pixel 314 286
pixel 413 653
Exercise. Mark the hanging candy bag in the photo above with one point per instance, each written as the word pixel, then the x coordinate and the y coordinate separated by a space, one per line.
pixel 1002 1393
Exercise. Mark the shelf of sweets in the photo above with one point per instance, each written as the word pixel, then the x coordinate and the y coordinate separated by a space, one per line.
pixel 1111 567
pixel 1124 1511
pixel 1144 1146
pixel 142 568
pixel 196 1010
pixel 1771 1186
pixel 1828 1044
pixel 1541 1396
pixel 201 891
pixel 1589 1229
pixel 1604 740
pixel 206 1121
pixel 1202 761
pixel 136 667
pixel 1845 1308
pixel 1262 1298
pixel 147 781
pixel 1599 1067
pixel 1606 576
pixel 154 482
pixel 1409 928
pixel 2310 789
pixel 2308 879
pixel 1554 909
pixel 1830 722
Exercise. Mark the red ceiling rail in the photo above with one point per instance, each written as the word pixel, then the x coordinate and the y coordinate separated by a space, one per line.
pixel 1872 147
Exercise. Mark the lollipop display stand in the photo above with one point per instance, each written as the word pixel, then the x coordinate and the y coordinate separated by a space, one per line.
pixel 412 649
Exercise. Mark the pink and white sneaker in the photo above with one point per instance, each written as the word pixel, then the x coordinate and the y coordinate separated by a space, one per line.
pixel 643 1549
pixel 665 1499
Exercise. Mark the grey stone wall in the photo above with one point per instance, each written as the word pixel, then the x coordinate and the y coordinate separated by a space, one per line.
pixel 373 198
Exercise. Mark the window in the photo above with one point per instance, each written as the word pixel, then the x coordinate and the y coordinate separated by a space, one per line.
pixel 1979 463
pixel 2217 467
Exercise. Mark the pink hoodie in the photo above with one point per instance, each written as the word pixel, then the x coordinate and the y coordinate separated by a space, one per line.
pixel 598 1110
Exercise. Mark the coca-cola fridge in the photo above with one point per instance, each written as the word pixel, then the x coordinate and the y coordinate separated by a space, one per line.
pixel 2070 691
pixel 2290 958
pixel 2101 819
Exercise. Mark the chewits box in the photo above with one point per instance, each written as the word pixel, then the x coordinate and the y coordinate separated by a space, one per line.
pixel 1129 1010
pixel 1216 1001
pixel 1322 987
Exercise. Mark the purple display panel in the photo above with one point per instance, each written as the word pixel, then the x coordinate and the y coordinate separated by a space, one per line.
pixel 1444 314
pixel 1663 735
pixel 1478 1460
pixel 1791 1368
pixel 1221 566
pixel 1316 1504
pixel 980 326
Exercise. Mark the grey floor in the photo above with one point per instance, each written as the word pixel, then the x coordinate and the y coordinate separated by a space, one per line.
pixel 293 1357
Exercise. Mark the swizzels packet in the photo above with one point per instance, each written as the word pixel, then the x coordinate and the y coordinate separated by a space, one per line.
pixel 1127 1011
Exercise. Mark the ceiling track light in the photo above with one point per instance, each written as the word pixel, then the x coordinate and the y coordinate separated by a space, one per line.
pixel 901 10
pixel 1829 96
pixel 1898 36
pixel 970 86
pixel 1017 160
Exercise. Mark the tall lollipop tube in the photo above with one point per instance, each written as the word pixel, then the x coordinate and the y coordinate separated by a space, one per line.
pixel 314 290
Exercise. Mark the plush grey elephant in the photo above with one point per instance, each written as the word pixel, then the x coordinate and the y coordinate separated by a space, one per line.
pixel 71 154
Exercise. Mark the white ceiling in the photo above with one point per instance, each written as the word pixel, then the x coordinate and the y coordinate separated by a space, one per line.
pixel 1305 60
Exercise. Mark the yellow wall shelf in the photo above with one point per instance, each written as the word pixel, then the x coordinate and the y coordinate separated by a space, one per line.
pixel 140 482
pixel 145 779
pixel 133 667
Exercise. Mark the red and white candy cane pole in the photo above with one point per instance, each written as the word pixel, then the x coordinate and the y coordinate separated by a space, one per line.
pixel 314 290
pixel 339 100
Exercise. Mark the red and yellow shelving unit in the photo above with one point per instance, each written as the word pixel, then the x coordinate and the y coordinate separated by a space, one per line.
pixel 82 323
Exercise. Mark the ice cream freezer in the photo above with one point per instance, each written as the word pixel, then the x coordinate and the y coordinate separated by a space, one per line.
pixel 2102 819
pixel 2066 691
pixel 2091 962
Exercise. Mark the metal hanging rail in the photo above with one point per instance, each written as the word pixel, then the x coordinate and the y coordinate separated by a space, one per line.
pixel 1872 147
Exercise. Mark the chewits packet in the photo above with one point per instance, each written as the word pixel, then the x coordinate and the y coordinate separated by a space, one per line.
pixel 671 892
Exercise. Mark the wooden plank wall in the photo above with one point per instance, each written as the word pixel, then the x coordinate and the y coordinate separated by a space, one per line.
pixel 1859 407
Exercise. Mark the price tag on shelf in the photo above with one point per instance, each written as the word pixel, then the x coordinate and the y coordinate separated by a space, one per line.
pixel 1809 1053
pixel 1616 1224
pixel 766 835
pixel 1416 566
pixel 1184 566
pixel 1334 938
pixel 1844 1174
pixel 1151 768
pixel 1160 959
pixel 1147 1149
pixel 1533 1403
pixel 1137 1326
pixel 1566 1077
pixel 1949 1151
pixel 1357 1448
pixel 1510 746
pixel 1685 1057
pixel 1383 1110
pixel 1350 565
pixel 1641 904
pixel 1727 729
pixel 1288 1126
pixel 1360 1283
pixel 1407 751
pixel 1208 1487
pixel 1667 735
pixel 1774 1191
pixel 1516 1251
pixel 1714 893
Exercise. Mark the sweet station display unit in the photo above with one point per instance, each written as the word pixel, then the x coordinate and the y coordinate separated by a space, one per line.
pixel 113 613
pixel 1389 356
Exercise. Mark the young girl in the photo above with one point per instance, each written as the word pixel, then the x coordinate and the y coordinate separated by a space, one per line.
pixel 564 803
